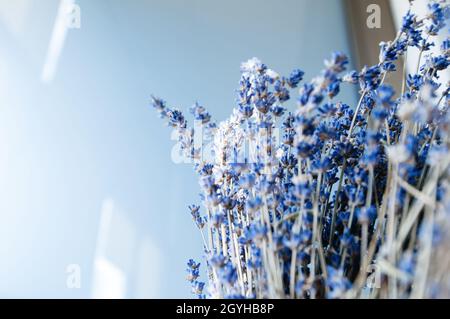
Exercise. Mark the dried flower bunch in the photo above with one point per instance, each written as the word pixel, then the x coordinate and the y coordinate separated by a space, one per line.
pixel 328 200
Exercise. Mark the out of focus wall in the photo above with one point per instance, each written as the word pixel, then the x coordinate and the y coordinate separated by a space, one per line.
pixel 88 190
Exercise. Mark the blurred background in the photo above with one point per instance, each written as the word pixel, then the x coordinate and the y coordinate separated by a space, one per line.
pixel 91 204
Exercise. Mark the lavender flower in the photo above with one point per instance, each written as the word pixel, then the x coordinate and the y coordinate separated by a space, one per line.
pixel 298 203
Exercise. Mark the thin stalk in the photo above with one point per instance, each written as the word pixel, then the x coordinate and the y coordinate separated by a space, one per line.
pixel 356 113
pixel 293 273
pixel 338 191
pixel 404 72
pixel 315 218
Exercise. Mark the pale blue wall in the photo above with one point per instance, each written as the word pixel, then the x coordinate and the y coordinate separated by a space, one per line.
pixel 67 146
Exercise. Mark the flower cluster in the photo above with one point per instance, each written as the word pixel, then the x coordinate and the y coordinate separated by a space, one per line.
pixel 328 200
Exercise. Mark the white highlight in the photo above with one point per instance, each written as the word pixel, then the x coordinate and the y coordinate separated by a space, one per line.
pixel 109 280
pixel 125 266
pixel 57 40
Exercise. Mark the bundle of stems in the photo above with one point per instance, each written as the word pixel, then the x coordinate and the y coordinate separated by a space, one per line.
pixel 325 200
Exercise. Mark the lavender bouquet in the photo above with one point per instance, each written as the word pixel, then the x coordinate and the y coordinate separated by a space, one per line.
pixel 327 200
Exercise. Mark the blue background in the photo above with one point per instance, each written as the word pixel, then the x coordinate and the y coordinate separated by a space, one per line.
pixel 90 136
